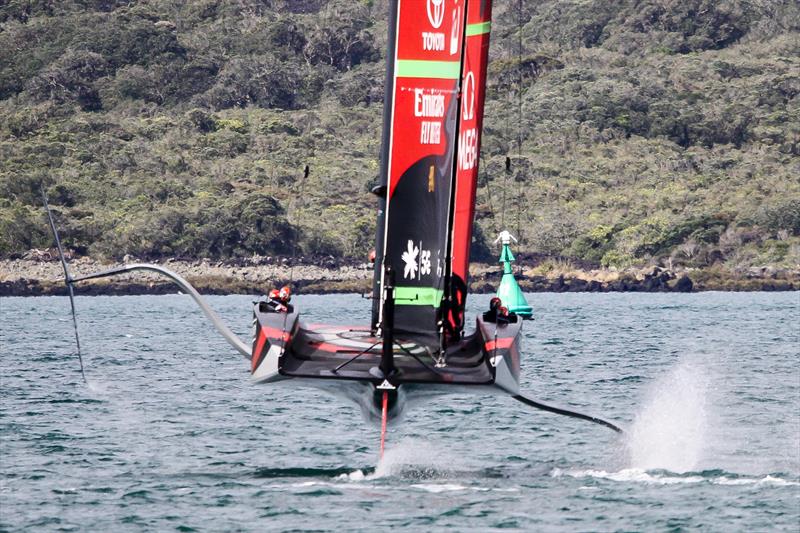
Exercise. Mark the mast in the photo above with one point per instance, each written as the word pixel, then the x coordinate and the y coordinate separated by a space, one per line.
pixel 381 188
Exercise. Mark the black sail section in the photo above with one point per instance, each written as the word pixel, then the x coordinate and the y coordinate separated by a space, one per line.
pixel 418 162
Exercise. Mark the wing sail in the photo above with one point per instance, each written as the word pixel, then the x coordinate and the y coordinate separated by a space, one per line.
pixel 473 94
pixel 418 157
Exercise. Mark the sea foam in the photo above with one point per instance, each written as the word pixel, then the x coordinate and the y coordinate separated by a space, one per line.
pixel 670 430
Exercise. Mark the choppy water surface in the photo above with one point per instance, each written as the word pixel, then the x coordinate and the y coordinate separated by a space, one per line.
pixel 169 434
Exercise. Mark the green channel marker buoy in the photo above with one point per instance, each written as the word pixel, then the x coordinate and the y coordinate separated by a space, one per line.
pixel 508 291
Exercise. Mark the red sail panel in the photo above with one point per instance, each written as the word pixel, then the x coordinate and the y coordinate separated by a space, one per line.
pixel 422 143
pixel 473 83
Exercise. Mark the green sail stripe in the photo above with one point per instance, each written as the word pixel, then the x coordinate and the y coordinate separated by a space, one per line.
pixel 413 68
pixel 418 296
pixel 479 28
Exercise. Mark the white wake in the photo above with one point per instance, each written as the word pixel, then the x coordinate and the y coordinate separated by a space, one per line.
pixel 670 430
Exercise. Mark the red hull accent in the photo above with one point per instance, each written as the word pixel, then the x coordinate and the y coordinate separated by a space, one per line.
pixel 501 344
pixel 255 357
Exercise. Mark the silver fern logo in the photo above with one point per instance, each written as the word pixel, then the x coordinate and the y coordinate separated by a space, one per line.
pixel 409 257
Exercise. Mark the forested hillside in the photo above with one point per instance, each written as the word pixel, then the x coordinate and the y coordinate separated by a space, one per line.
pixel 651 130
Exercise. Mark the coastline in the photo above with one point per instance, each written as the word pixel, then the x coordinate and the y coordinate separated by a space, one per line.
pixel 26 277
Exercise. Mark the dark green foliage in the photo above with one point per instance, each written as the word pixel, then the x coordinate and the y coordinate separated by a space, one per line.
pixel 639 131
pixel 70 79
pixel 703 229
pixel 202 227
pixel 131 37
pixel 362 85
pixel 341 37
pixel 21 229
pixel 692 25
pixel 782 215
pixel 593 245
pixel 508 75
pixel 265 83
pixel 480 249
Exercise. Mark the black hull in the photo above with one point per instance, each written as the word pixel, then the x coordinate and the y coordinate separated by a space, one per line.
pixel 344 361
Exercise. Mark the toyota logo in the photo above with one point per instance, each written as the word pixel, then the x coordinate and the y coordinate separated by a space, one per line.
pixel 436 12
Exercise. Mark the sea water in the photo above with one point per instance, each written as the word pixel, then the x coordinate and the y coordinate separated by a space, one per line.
pixel 168 434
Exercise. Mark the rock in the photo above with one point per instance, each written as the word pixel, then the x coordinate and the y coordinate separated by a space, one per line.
pixel 165 25
pixel 620 285
pixel 714 256
pixel 483 288
pixel 577 285
pixel 684 284
pixel 654 283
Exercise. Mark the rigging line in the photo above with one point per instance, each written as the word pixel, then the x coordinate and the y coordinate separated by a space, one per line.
pixel 416 357
pixel 306 171
pixel 67 279
pixel 488 191
pixel 396 343
pixel 519 124
pixel 362 352
pixel 507 137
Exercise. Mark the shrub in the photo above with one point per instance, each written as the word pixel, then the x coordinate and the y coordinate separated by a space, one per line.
pixel 782 215
pixel 22 228
pixel 264 82
pixel 70 79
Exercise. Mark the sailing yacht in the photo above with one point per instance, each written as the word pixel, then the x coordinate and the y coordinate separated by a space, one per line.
pixel 417 344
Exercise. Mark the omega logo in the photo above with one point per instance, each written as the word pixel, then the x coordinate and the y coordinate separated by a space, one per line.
pixel 468 106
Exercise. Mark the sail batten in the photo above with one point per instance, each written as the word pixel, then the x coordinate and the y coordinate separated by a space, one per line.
pixel 418 296
pixel 479 28
pixel 414 68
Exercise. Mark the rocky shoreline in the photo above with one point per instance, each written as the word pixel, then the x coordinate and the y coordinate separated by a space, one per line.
pixel 27 277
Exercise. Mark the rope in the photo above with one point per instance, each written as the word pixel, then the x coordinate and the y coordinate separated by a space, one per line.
pixel 519 134
pixel 508 167
pixel 519 124
pixel 488 194
pixel 306 172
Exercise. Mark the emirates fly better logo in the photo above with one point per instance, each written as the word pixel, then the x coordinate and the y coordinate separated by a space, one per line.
pixel 436 12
